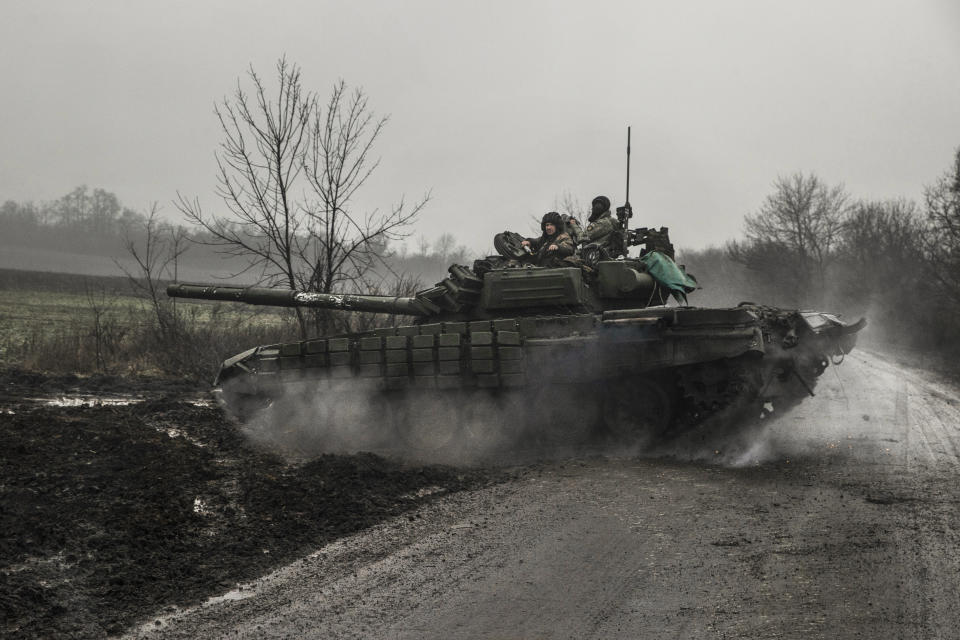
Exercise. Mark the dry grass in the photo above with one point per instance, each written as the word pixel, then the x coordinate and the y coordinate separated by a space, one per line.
pixel 60 323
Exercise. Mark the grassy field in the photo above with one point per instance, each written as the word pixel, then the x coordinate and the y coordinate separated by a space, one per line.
pixel 58 301
pixel 24 312
pixel 71 323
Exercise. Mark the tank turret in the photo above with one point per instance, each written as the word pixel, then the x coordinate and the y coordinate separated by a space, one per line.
pixel 520 289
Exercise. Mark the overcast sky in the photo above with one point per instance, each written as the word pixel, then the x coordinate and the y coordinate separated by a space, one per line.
pixel 499 108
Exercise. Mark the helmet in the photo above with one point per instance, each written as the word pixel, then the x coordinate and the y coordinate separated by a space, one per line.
pixel 599 206
pixel 552 218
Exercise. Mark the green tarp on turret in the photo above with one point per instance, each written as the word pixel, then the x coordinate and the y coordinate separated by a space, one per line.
pixel 669 275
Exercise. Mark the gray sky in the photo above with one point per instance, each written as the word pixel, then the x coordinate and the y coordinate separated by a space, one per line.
pixel 499 107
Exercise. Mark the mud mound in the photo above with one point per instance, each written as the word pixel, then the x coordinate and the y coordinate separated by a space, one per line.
pixel 111 513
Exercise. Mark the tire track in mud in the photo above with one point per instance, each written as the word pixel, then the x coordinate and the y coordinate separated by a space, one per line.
pixel 921 407
pixel 935 512
pixel 928 420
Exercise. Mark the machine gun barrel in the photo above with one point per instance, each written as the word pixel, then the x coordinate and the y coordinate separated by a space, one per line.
pixel 293 298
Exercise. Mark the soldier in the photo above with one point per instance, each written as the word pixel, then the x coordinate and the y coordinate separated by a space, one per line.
pixel 554 245
pixel 604 229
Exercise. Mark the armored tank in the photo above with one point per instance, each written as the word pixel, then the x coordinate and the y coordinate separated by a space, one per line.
pixel 598 333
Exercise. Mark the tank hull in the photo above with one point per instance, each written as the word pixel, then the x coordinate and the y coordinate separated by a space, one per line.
pixel 647 370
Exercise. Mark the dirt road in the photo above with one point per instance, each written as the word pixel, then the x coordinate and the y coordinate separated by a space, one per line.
pixel 839 520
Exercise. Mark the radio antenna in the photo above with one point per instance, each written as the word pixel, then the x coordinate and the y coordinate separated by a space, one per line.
pixel 627 201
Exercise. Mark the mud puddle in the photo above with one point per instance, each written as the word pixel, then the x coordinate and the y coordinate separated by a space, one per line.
pixel 83 400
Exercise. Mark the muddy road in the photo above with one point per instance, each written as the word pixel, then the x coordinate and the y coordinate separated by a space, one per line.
pixel 838 520
pixel 119 499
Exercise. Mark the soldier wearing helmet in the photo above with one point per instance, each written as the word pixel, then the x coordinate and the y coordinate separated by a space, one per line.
pixel 554 244
pixel 603 229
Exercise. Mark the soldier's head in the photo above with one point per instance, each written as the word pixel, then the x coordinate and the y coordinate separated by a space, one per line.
pixel 599 206
pixel 551 223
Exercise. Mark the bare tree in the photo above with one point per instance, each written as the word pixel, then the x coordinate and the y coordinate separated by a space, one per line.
pixel 156 254
pixel 105 331
pixel 259 161
pixel 445 245
pixel 795 232
pixel 882 244
pixel 880 267
pixel 347 246
pixel 569 204
pixel 423 245
pixel 288 174
pixel 942 237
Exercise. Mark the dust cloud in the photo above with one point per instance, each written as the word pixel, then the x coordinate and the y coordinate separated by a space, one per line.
pixel 729 441
pixel 487 427
pixel 541 421
pixel 462 426
pixel 807 428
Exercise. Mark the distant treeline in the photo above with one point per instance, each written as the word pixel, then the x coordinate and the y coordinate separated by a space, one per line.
pixel 94 222
pixel 83 221
pixel 86 222
pixel 812 245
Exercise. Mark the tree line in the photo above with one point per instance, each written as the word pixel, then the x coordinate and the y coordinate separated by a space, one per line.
pixel 84 219
pixel 88 221
pixel 812 245
pixel 95 221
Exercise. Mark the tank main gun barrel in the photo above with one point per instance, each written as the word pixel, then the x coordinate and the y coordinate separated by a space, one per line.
pixel 292 298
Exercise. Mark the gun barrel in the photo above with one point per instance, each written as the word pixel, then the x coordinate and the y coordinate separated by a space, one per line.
pixel 250 295
pixel 292 298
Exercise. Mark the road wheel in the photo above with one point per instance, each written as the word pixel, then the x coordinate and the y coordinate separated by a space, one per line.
pixel 638 409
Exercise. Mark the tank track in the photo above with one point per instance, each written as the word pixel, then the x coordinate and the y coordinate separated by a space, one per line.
pixel 711 387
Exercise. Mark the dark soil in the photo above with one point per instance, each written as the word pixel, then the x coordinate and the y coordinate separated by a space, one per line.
pixel 18 384
pixel 110 514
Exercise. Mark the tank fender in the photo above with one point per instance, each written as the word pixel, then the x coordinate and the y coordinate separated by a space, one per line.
pixel 235 365
pixel 829 325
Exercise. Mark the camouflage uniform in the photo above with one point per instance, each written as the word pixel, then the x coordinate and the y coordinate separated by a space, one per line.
pixel 572 226
pixel 545 257
pixel 603 228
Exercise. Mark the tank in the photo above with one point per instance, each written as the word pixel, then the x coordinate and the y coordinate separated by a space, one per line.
pixel 600 334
